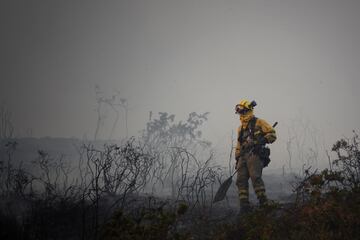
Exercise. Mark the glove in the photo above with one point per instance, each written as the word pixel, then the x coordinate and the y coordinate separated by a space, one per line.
pixel 237 158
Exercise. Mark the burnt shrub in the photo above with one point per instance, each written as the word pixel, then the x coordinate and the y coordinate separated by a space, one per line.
pixel 327 204
pixel 158 221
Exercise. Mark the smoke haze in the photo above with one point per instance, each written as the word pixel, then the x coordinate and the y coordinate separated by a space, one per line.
pixel 300 60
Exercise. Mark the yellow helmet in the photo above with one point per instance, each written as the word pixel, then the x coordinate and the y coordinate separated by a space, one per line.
pixel 245 105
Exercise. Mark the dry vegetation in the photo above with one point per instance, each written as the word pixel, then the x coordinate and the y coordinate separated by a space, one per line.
pixel 161 186
pixel 327 204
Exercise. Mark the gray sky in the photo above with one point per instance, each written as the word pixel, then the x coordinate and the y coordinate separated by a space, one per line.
pixel 300 60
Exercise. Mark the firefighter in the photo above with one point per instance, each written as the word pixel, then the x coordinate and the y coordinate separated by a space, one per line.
pixel 251 155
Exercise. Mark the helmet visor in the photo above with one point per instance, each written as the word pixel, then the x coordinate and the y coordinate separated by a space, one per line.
pixel 241 110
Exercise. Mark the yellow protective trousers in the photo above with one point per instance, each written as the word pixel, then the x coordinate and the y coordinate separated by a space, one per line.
pixel 250 166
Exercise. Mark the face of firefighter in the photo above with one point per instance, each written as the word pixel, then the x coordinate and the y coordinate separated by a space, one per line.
pixel 241 110
pixel 245 114
pixel 246 117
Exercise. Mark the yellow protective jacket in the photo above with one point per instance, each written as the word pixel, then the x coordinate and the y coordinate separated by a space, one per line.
pixel 262 128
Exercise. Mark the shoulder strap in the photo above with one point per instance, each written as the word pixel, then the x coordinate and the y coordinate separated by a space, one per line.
pixel 252 124
pixel 251 128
